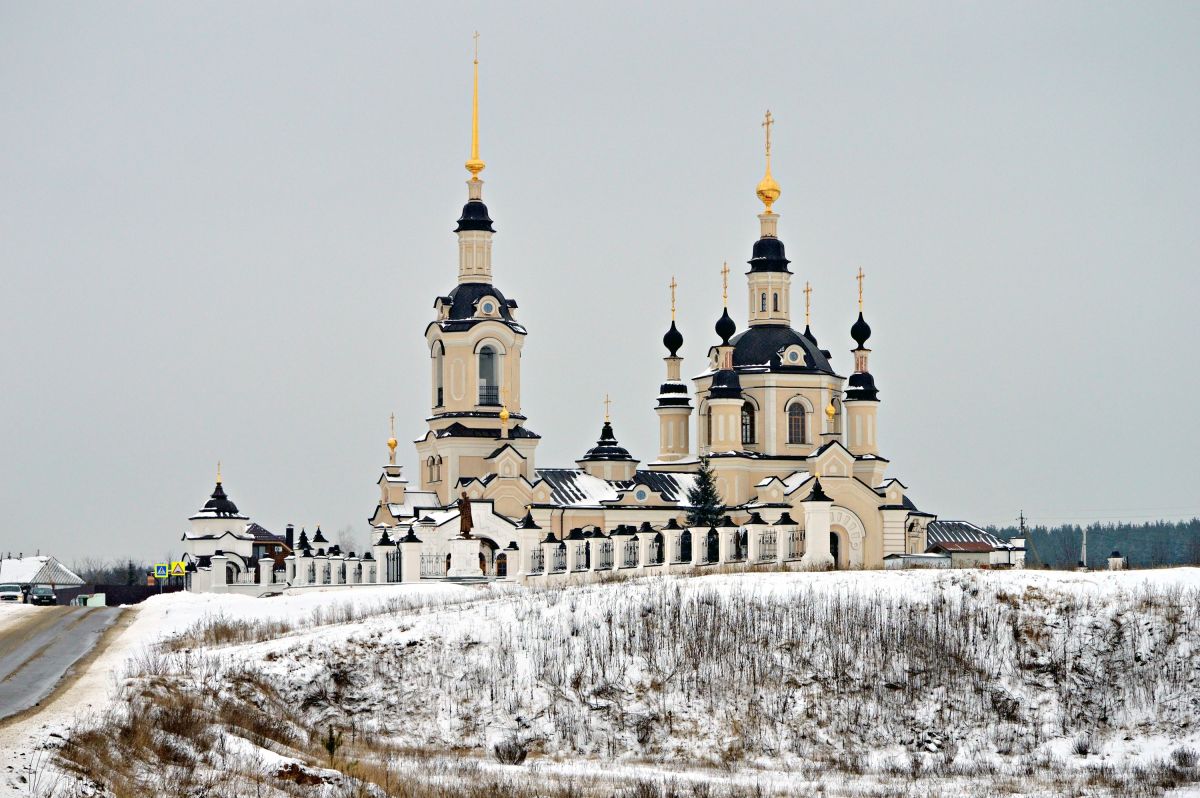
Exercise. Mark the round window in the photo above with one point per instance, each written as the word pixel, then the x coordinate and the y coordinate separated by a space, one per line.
pixel 641 495
pixel 488 307
pixel 793 356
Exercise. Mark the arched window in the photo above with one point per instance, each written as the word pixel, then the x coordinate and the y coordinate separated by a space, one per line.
pixel 437 469
pixel 708 426
pixel 489 376
pixel 775 302
pixel 797 429
pixel 439 363
pixel 429 468
pixel 747 423
pixel 763 302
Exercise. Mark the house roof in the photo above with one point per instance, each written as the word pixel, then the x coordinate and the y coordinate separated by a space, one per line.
pixel 959 532
pixel 962 546
pixel 40 570
pixel 574 487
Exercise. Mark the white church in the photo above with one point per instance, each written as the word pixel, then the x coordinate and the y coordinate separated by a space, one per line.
pixel 791 443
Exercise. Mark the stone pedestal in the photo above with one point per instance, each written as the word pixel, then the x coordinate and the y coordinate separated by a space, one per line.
pixel 817 556
pixel 464 558
pixel 410 559
pixel 266 571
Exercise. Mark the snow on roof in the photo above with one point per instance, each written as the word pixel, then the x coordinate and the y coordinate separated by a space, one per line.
pixel 414 500
pixel 966 546
pixel 795 480
pixel 573 487
pixel 960 532
pixel 37 571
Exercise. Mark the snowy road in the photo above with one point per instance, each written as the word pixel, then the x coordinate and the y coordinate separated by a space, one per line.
pixel 39 649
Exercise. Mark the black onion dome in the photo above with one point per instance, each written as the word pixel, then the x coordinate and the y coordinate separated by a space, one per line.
pixel 673 340
pixel 725 327
pixel 768 256
pixel 861 385
pixel 219 503
pixel 808 333
pixel 474 217
pixel 762 346
pixel 527 522
pixel 861 331
pixel 607 447
pixel 725 385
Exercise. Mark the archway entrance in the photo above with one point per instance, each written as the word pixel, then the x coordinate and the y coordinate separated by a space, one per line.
pixel 487 556
pixel 714 546
pixel 835 548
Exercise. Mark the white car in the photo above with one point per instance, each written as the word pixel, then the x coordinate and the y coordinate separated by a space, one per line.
pixel 10 593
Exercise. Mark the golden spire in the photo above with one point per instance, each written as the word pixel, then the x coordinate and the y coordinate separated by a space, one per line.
pixel 607 408
pixel 860 282
pixel 807 302
pixel 673 287
pixel 391 444
pixel 725 283
pixel 218 472
pixel 768 190
pixel 475 164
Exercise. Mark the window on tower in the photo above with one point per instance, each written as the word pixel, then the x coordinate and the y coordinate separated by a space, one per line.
pixel 797 429
pixel 489 372
pixel 775 302
pixel 439 364
pixel 747 423
pixel 763 303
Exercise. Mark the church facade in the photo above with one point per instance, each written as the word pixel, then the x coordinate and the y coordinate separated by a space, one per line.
pixel 792 443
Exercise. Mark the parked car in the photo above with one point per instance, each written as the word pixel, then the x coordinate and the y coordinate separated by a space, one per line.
pixel 10 593
pixel 42 594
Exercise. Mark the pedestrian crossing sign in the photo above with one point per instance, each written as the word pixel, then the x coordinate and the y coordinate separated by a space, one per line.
pixel 160 570
pixel 178 568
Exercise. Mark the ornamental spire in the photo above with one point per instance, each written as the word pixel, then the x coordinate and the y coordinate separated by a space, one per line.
pixel 768 190
pixel 860 288
pixel 391 442
pixel 475 164
pixel 218 472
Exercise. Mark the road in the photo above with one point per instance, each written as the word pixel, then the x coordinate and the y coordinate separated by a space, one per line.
pixel 37 651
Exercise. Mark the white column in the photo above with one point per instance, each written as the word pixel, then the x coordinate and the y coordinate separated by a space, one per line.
pixel 816 535
pixel 266 571
pixel 410 558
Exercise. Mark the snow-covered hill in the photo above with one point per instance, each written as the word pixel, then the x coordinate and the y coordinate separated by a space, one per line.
pixel 858 683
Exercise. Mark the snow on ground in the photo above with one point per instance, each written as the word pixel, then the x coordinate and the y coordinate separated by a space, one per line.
pixel 781 675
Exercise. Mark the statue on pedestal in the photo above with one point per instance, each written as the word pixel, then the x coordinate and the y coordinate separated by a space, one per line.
pixel 464 517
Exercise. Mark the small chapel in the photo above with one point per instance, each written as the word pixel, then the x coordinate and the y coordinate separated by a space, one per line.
pixel 791 442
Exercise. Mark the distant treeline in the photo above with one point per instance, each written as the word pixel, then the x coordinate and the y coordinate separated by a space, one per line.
pixel 1145 545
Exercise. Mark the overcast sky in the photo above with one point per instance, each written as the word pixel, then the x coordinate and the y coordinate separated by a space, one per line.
pixel 222 227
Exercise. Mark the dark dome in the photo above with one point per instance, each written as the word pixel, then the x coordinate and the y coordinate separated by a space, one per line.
pixel 861 331
pixel 465 296
pixel 474 217
pixel 673 340
pixel 725 385
pixel 761 345
pixel 808 333
pixel 861 385
pixel 607 447
pixel 768 256
pixel 725 327
pixel 220 503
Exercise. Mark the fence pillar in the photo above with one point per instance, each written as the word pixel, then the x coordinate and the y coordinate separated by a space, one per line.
pixel 410 558
pixel 818 512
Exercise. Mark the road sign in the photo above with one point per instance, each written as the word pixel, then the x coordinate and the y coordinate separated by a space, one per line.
pixel 160 570
pixel 178 568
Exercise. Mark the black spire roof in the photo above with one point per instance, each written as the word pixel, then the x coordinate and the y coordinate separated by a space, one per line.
pixel 725 327
pixel 768 256
pixel 475 217
pixel 527 522
pixel 318 537
pixel 808 333
pixel 861 331
pixel 817 495
pixel 220 504
pixel 607 447
pixel 861 385
pixel 673 340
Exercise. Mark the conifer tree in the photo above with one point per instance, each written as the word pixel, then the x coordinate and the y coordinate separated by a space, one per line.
pixel 707 507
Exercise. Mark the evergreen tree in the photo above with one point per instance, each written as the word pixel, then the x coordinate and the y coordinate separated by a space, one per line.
pixel 707 507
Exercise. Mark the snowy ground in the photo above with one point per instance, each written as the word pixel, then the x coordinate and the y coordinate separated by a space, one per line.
pixel 867 683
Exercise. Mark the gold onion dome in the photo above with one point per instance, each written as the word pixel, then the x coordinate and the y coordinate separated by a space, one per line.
pixel 830 411
pixel 504 415
pixel 392 442
pixel 768 190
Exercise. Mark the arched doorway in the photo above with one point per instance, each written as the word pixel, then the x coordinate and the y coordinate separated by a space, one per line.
pixel 685 546
pixel 501 565
pixel 835 548
pixel 656 549
pixel 714 546
pixel 487 555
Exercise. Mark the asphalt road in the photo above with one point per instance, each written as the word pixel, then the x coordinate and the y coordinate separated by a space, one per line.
pixel 37 652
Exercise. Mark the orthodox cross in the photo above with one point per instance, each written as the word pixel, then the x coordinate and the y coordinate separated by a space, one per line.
pixel 392 420
pixel 767 122
pixel 725 283
pixel 860 282
pixel 476 47
pixel 607 407
pixel 807 302
pixel 673 286
pixel 218 472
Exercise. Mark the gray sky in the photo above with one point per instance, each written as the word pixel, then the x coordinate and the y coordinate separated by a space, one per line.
pixel 222 227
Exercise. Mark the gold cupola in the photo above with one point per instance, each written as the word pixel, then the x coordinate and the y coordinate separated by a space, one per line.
pixel 768 190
